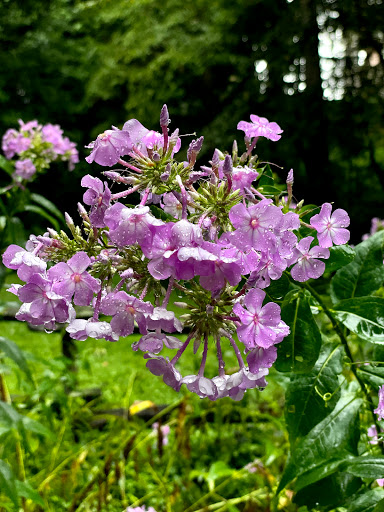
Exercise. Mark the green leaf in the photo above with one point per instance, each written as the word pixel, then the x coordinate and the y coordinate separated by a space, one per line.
pixel 269 190
pixel 304 403
pixel 334 437
pixel 40 211
pixel 373 375
pixel 278 289
pixel 330 492
pixel 11 419
pixel 7 165
pixel 12 351
pixel 364 316
pixel 24 489
pixel 266 178
pixel 367 502
pixel 339 256
pixel 364 275
pixel 8 482
pixel 299 351
pixel 48 205
pixel 365 467
pixel 15 233
pixel 318 473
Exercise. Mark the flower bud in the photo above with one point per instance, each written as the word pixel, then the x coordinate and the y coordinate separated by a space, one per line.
pixel 156 157
pixel 227 166
pixel 83 212
pixel 194 149
pixel 164 117
pixel 53 233
pixel 174 138
pixel 290 178
pixel 69 221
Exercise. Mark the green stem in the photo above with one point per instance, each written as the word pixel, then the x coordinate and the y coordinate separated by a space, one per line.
pixel 6 397
pixel 344 342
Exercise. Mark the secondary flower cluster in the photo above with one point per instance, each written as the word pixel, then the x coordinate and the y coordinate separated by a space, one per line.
pixel 217 236
pixel 36 146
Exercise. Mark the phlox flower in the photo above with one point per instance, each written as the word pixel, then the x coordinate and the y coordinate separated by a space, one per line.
pixel 260 127
pixel 25 169
pixel 98 196
pixel 44 305
pixel 125 309
pixel 71 279
pixel 80 329
pixel 260 326
pixel 26 263
pixel 130 225
pixel 254 224
pixel 109 147
pixel 307 265
pixel 331 228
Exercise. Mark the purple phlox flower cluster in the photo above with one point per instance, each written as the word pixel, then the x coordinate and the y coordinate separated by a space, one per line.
pixel 224 245
pixel 48 145
pixel 260 127
pixel 331 228
pixel 380 408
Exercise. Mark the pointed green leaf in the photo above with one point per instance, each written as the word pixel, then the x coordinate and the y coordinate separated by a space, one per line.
pixel 368 501
pixel 373 375
pixel 299 351
pixel 334 437
pixel 339 256
pixel 364 275
pixel 365 467
pixel 40 211
pixel 48 205
pixel 8 482
pixel 305 406
pixel 24 489
pixel 9 417
pixel 318 473
pixel 12 351
pixel 364 316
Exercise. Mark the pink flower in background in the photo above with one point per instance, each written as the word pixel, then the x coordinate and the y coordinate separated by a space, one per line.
pixel 25 168
pixel 380 408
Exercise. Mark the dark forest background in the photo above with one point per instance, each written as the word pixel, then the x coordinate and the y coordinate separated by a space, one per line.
pixel 315 67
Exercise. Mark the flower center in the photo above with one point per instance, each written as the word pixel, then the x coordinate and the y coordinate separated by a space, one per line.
pixel 255 223
pixel 130 309
pixel 76 277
